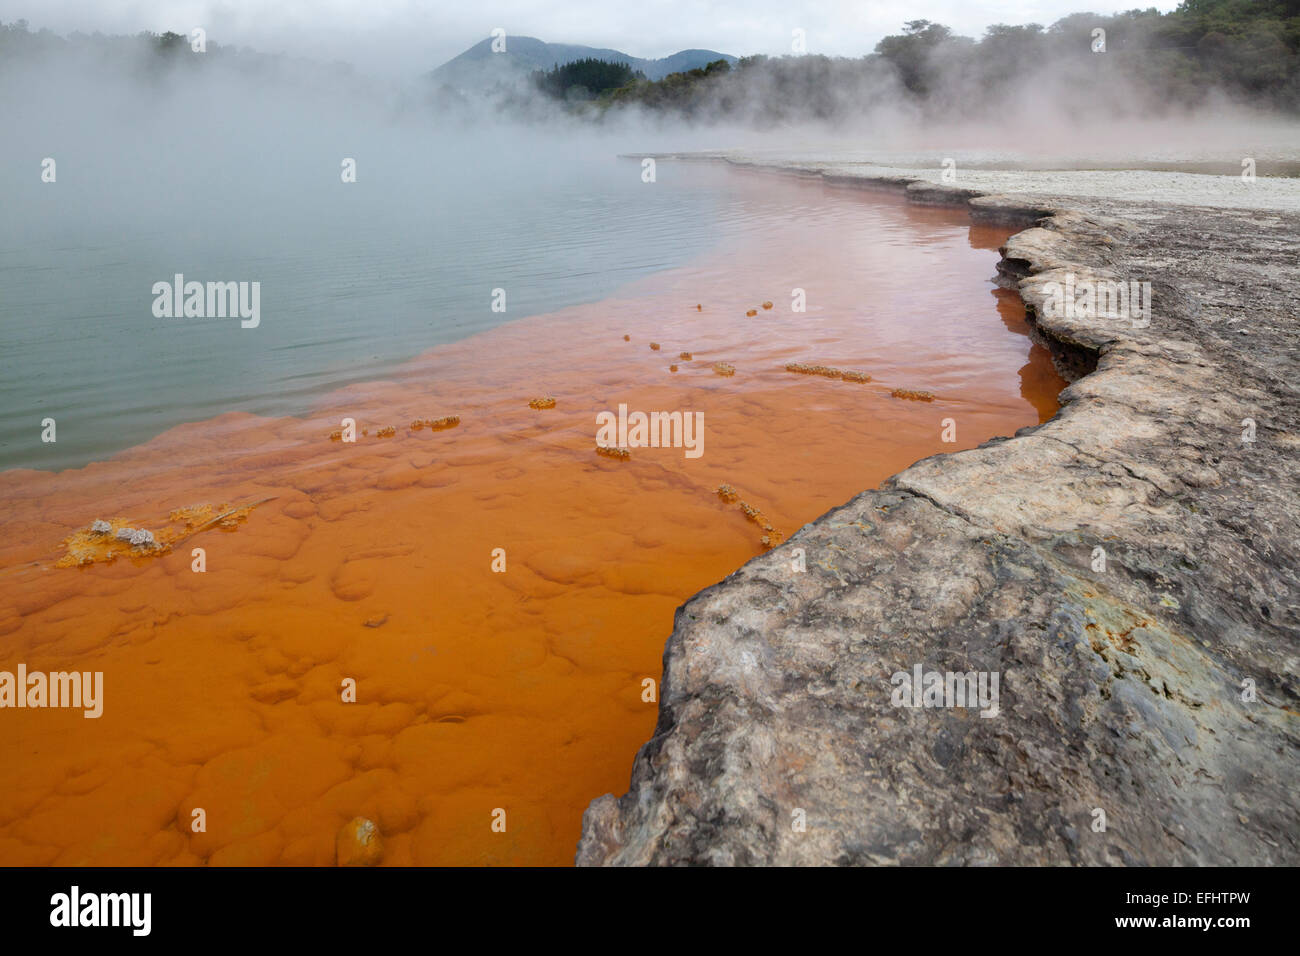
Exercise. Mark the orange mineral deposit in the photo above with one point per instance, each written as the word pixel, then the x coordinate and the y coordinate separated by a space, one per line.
pixel 359 843
pixel 389 641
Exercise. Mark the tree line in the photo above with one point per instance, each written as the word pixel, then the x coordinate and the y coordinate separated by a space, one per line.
pixel 1139 61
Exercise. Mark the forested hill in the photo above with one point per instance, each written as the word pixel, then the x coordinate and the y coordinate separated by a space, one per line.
pixel 1140 62
pixel 481 65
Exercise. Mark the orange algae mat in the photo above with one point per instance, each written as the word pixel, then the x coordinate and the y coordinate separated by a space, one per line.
pixel 476 690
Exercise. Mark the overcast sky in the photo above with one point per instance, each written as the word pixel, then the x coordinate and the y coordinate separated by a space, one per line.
pixel 398 36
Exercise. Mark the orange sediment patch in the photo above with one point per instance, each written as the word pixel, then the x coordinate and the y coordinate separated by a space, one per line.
pixel 827 371
pixel 436 424
pixel 913 394
pixel 540 403
pixel 491 600
pixel 771 536
pixel 105 541
pixel 823 370
pixel 359 843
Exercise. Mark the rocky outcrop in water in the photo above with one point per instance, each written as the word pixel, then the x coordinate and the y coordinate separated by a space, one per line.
pixel 1124 577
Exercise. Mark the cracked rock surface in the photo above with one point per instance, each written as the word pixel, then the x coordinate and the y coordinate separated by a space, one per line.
pixel 1154 689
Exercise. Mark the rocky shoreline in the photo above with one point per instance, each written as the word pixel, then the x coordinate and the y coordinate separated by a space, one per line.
pixel 1148 700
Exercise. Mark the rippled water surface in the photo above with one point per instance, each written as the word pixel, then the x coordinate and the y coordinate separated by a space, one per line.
pixel 353 277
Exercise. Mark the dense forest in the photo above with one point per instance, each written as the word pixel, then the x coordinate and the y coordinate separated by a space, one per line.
pixel 583 79
pixel 1247 51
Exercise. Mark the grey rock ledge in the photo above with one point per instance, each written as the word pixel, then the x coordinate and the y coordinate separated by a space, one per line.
pixel 1121 691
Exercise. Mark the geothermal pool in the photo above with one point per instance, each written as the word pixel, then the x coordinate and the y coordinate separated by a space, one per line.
pixel 456 632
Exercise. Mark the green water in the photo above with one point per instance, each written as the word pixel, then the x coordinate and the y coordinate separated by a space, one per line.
pixel 353 276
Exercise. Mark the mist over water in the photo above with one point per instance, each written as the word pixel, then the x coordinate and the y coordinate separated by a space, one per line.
pixel 218 180
pixel 226 167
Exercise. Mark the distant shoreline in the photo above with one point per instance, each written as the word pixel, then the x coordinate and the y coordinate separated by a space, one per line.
pixel 1201 182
